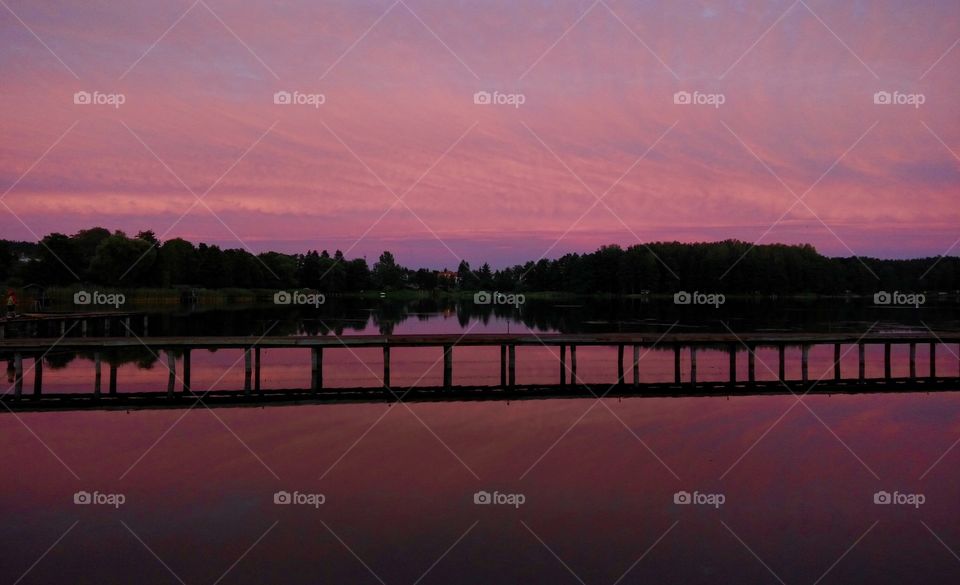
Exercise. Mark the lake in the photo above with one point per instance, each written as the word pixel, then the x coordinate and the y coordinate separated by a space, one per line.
pixel 750 489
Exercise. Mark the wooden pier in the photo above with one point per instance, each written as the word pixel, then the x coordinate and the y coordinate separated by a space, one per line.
pixel 625 381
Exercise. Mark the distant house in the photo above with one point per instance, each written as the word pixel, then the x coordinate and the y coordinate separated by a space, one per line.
pixel 447 277
pixel 38 296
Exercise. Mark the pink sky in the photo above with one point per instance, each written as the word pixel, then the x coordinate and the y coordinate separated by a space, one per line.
pixel 492 182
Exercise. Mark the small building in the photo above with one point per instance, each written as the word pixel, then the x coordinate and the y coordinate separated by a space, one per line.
pixel 37 294
pixel 447 276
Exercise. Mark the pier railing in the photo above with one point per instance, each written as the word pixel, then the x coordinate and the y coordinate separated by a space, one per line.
pixel 625 381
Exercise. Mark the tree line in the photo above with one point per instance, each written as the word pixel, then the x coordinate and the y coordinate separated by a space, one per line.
pixel 115 259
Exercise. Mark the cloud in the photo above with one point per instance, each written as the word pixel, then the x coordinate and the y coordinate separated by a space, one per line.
pixel 398 102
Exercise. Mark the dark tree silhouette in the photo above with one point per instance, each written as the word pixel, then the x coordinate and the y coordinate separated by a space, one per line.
pixel 733 267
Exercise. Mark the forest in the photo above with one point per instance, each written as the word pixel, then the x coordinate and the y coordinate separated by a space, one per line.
pixel 99 256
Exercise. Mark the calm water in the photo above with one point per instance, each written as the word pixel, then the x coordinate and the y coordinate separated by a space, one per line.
pixel 597 479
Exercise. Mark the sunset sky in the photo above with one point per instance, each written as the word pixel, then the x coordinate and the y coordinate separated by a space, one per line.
pixel 484 182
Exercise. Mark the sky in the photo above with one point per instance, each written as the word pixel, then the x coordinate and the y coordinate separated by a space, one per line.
pixel 584 143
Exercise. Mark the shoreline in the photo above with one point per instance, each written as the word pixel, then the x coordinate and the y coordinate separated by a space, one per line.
pixel 63 296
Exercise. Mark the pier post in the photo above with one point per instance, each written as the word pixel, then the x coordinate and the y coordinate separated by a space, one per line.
pixel 63 328
pixel 106 327
pixel 676 364
pixel 805 362
pixel 503 365
pixel 862 358
pixel 573 365
pixel 693 365
pixel 113 375
pixel 386 366
pixel 513 363
pixel 18 374
pixel 186 370
pixel 886 361
pixel 752 364
pixel 256 369
pixel 733 363
pixel 636 365
pixel 620 364
pixel 97 374
pixel 126 327
pixel 146 326
pixel 316 368
pixel 247 370
pixel 83 327
pixel 37 374
pixel 172 372
pixel 447 366
pixel 3 331
pixel 782 372
pixel 933 360
pixel 563 365
pixel 836 361
pixel 913 360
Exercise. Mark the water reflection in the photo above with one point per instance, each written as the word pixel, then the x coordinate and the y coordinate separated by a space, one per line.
pixel 341 316
pixel 599 479
pixel 399 488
